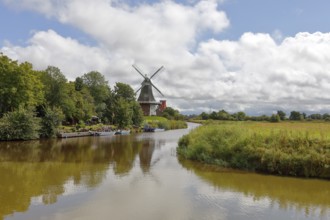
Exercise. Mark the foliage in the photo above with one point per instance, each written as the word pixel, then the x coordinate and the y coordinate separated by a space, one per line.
pixel 20 124
pixel 122 108
pixel 161 122
pixel 275 118
pixel 137 117
pixel 125 91
pixel 295 149
pixel 281 114
pixel 97 85
pixel 172 114
pixel 123 113
pixel 50 121
pixel 296 116
pixel 20 85
pixel 55 87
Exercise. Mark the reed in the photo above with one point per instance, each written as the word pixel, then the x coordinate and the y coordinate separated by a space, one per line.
pixel 293 149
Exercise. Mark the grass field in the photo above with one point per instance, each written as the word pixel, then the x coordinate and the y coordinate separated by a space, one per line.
pixel 286 148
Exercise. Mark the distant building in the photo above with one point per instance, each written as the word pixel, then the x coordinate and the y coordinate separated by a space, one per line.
pixel 146 98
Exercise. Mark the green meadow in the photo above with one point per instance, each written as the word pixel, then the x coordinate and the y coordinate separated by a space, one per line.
pixel 287 148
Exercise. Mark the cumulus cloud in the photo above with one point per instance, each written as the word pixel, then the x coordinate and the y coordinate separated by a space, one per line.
pixel 255 73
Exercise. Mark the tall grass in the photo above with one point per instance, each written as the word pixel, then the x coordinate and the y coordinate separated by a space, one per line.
pixel 161 122
pixel 294 149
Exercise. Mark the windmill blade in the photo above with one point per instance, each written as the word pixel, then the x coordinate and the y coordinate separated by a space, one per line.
pixel 157 71
pixel 138 90
pixel 156 88
pixel 138 71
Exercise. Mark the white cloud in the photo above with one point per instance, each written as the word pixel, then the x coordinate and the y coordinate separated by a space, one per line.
pixel 255 73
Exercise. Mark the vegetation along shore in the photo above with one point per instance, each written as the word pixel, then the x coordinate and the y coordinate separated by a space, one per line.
pixel 40 104
pixel 286 148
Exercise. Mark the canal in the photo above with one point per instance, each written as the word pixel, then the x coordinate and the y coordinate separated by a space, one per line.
pixel 139 176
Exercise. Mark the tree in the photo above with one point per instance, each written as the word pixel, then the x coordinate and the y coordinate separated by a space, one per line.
pixel 315 116
pixel 123 113
pixel 240 116
pixel 79 84
pixel 123 108
pixel 81 103
pixel 172 114
pixel 55 87
pixel 99 90
pixel 50 121
pixel 223 115
pixel 326 116
pixel 20 124
pixel 204 116
pixel 213 115
pixel 137 117
pixel 281 114
pixel 20 85
pixel 295 116
pixel 275 118
pixel 125 91
pixel 97 86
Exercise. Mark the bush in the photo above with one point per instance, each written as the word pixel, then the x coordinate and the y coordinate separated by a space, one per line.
pixel 50 122
pixel 19 125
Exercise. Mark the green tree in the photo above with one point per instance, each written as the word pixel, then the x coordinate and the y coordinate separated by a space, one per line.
pixel 97 86
pixel 99 90
pixel 20 124
pixel 79 84
pixel 55 87
pixel 204 116
pixel 20 85
pixel 275 118
pixel 326 116
pixel 315 116
pixel 213 115
pixel 125 91
pixel 240 116
pixel 172 114
pixel 126 110
pixel 137 117
pixel 51 119
pixel 296 116
pixel 123 113
pixel 223 115
pixel 281 114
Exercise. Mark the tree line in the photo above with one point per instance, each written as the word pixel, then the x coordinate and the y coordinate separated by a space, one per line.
pixel 34 103
pixel 277 117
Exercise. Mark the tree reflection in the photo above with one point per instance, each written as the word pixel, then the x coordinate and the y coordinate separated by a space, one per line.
pixel 42 168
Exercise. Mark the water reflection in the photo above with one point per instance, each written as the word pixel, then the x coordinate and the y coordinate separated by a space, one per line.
pixel 305 195
pixel 42 169
pixel 140 177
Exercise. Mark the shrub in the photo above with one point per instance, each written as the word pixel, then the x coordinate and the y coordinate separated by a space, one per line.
pixel 19 125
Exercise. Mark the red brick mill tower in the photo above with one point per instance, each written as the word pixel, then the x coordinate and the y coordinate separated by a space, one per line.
pixel 146 98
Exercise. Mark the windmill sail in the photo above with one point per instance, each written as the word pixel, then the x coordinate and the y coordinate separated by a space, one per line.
pixel 146 97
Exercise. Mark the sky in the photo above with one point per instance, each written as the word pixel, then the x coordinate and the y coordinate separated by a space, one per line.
pixel 256 56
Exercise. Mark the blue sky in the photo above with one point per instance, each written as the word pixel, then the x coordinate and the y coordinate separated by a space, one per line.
pixel 290 17
pixel 258 16
pixel 257 56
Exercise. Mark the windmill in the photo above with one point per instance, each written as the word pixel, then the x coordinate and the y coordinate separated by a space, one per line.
pixel 146 98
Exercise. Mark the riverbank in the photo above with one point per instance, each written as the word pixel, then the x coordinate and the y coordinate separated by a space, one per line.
pixel 290 149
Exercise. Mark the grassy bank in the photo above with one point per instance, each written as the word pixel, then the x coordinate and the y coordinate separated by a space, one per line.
pixel 294 149
pixel 161 122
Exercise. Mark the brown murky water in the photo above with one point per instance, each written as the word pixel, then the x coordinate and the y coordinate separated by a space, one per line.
pixel 140 177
